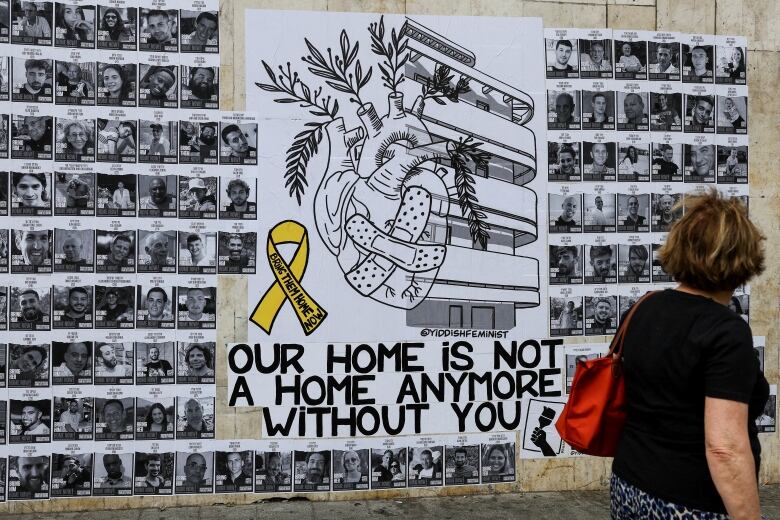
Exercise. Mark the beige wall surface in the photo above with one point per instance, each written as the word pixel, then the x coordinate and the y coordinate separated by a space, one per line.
pixel 754 19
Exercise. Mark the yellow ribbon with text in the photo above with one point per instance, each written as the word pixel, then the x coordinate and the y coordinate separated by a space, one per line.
pixel 287 286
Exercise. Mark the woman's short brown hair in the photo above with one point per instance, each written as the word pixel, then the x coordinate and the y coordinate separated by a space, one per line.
pixel 714 246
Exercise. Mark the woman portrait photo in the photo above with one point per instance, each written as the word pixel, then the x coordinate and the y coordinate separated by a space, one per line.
pixel 497 461
pixel 76 140
pixel 116 84
pixel 72 26
pixel 157 419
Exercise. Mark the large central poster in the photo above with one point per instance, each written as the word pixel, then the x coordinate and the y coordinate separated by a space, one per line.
pixel 399 162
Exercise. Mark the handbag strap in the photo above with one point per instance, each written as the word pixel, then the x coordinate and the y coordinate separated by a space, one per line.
pixel 616 347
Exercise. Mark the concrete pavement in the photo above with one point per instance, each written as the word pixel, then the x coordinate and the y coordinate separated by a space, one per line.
pixel 580 505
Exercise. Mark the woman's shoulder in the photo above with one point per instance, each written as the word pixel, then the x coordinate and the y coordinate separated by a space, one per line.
pixel 709 320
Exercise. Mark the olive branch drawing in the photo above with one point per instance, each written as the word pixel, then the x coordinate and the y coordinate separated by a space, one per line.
pixel 439 86
pixel 394 53
pixel 305 144
pixel 463 152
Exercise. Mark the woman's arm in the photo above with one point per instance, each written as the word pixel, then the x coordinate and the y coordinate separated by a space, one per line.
pixel 729 457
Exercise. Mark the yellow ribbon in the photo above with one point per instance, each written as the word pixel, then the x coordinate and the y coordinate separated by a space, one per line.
pixel 288 281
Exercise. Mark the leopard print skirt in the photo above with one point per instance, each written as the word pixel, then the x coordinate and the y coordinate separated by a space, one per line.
pixel 628 502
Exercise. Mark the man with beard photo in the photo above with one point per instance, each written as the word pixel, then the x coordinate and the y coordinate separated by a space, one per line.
pixel 463 469
pixel 158 199
pixel 33 474
pixel 316 468
pixel 109 365
pixel 602 317
pixel 601 263
pixel 238 193
pixel 74 475
pixel 70 418
pixel 35 135
pixel 157 367
pixel 566 259
pixel 30 307
pixel 78 307
pixel 636 267
pixel 115 477
pixel 237 259
pixel 32 420
pixel 153 466
pixel 36 85
pixel 200 83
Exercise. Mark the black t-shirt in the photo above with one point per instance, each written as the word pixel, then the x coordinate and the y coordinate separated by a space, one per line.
pixel 679 349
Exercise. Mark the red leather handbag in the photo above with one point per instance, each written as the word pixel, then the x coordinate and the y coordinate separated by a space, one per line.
pixel 594 416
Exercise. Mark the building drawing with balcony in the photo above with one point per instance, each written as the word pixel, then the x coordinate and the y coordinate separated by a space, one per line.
pixel 478 287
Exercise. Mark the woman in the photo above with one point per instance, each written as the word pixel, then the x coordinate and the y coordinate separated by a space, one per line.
pixel 498 461
pixel 350 463
pixel 115 28
pixel 198 359
pixel 157 419
pixel 735 68
pixel 29 361
pixel 382 471
pixel 30 190
pixel 693 385
pixel 628 165
pixel 118 87
pixel 72 23
pixel 77 138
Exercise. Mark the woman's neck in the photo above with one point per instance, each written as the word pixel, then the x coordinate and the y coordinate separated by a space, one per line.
pixel 722 297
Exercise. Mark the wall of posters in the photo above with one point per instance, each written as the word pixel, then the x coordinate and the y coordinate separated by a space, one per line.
pixel 425 209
